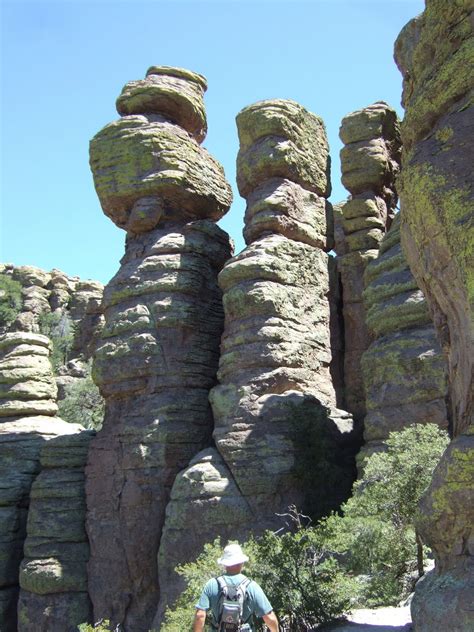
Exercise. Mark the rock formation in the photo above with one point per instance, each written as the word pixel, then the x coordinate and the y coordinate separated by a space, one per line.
pixel 369 162
pixel 53 573
pixel 435 53
pixel 67 310
pixel 158 354
pixel 404 369
pixel 275 351
pixel 275 393
pixel 27 421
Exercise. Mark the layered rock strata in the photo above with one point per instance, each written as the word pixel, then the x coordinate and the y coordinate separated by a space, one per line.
pixel 158 355
pixel 370 163
pixel 404 368
pixel 26 424
pixel 274 369
pixel 435 53
pixel 53 573
pixel 275 390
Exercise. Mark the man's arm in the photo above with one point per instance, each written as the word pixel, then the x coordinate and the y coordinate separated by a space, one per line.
pixel 271 621
pixel 200 620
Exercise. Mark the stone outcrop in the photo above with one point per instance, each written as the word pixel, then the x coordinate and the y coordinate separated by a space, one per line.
pixel 404 368
pixel 158 353
pixel 274 369
pixel 435 53
pixel 53 573
pixel 370 164
pixel 27 421
pixel 66 309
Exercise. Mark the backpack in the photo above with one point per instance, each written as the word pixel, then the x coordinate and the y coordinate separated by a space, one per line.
pixel 231 604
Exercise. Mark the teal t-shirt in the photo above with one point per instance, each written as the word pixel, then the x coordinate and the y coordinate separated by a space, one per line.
pixel 255 603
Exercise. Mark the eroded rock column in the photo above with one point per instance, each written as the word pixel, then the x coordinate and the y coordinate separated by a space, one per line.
pixel 27 420
pixel 404 369
pixel 274 372
pixel 158 355
pixel 435 53
pixel 370 163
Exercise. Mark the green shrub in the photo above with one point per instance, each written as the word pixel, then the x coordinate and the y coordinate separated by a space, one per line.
pixel 60 329
pixel 10 300
pixel 376 532
pixel 303 583
pixel 101 626
pixel 83 404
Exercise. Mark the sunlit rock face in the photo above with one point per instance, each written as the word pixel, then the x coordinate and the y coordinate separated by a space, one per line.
pixel 435 53
pixel 274 370
pixel 158 354
pixel 404 369
pixel 27 422
pixel 53 573
pixel 370 163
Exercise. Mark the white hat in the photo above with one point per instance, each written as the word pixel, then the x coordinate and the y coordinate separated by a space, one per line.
pixel 232 556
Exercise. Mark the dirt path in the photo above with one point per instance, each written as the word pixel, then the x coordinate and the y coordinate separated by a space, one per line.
pixel 378 620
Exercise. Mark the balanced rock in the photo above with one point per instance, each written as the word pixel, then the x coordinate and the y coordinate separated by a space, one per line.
pixel 435 53
pixel 148 166
pixel 53 573
pixel 280 139
pixel 158 353
pixel 370 164
pixel 404 369
pixel 175 93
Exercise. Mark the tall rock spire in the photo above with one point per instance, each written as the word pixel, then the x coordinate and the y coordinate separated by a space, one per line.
pixel 370 163
pixel 274 370
pixel 158 355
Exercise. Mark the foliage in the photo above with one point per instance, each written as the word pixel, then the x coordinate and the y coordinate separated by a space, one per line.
pixel 101 626
pixel 376 532
pixel 195 574
pixel 303 583
pixel 83 403
pixel 60 329
pixel 10 300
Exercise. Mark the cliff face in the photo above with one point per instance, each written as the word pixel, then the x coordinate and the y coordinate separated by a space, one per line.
pixel 435 53
pixel 27 421
pixel 370 163
pixel 404 369
pixel 158 354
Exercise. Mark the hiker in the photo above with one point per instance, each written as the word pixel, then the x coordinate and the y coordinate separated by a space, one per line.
pixel 232 598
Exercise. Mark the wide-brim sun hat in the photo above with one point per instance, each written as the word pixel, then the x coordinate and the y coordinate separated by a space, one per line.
pixel 232 556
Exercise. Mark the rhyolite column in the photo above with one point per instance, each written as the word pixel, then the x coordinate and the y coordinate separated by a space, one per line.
pixel 158 355
pixel 370 163
pixel 27 420
pixel 404 369
pixel 435 53
pixel 275 391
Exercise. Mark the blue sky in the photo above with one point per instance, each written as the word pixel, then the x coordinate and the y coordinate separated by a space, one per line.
pixel 64 63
